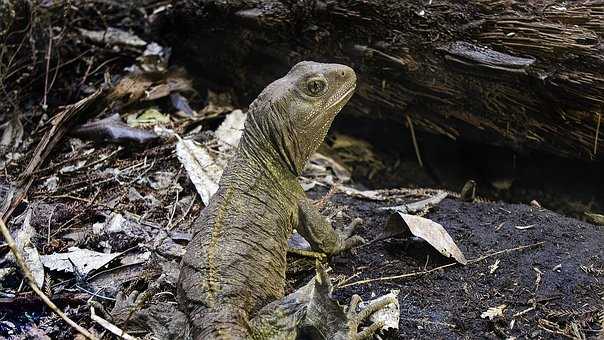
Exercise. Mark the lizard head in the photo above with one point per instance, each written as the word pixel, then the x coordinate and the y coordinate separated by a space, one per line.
pixel 295 112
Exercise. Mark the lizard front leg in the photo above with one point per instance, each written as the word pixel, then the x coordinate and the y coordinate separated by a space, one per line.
pixel 317 230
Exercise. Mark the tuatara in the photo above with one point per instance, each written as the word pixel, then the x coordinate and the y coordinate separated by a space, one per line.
pixel 235 263
pixel 232 277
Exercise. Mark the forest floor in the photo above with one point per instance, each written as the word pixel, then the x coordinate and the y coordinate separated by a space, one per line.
pixel 109 212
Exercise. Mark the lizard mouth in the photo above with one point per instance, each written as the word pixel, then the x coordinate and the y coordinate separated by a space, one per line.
pixel 344 97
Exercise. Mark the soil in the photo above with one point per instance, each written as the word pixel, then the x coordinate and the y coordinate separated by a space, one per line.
pixel 550 282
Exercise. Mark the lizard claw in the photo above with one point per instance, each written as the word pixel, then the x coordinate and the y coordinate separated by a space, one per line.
pixel 124 305
pixel 326 317
pixel 356 318
pixel 347 239
pixel 351 227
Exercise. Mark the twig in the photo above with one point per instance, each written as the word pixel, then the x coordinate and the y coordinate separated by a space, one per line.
pixel 59 125
pixel 109 326
pixel 597 134
pixel 505 251
pixel 32 283
pixel 169 224
pixel 49 221
pixel 186 212
pixel 48 56
pixel 115 152
pixel 523 312
pixel 95 294
pixel 415 146
pixel 395 277
pixel 425 321
pixel 424 272
pixel 321 203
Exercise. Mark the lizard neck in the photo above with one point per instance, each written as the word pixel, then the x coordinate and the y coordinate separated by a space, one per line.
pixel 270 149
pixel 269 134
pixel 259 160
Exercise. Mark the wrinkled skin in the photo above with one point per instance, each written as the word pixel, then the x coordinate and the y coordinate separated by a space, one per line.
pixel 235 263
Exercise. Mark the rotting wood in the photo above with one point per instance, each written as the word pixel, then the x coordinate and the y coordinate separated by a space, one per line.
pixel 527 75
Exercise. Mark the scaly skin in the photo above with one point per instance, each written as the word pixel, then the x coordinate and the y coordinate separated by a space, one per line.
pixel 235 263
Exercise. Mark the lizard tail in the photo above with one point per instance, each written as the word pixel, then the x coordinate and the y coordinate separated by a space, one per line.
pixel 219 323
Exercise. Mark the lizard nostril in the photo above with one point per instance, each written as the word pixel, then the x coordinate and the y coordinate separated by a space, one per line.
pixel 342 73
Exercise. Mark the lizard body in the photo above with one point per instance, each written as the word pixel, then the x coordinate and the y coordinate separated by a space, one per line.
pixel 235 263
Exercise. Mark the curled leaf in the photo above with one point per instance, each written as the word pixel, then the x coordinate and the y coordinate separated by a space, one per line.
pixel 418 206
pixel 203 169
pixel 113 36
pixel 427 230
pixel 113 129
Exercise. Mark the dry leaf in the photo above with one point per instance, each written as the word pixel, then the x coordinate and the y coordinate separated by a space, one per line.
pixel 30 254
pixel 595 218
pixel 84 260
pixel 494 312
pixel 113 36
pixel 229 132
pixel 113 129
pixel 415 207
pixel 374 195
pixel 203 169
pixel 428 230
pixel 494 266
pixel 296 241
pixel 148 117
pixel 12 134
pixel 340 172
pixel 181 104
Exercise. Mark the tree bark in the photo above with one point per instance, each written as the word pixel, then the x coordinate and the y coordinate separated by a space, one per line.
pixel 523 74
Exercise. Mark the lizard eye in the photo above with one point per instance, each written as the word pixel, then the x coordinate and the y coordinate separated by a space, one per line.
pixel 316 86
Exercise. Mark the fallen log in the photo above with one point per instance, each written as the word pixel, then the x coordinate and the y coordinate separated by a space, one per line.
pixel 523 74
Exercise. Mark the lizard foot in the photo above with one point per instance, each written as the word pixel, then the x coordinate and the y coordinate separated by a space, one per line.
pixel 162 320
pixel 347 239
pixel 326 319
pixel 126 305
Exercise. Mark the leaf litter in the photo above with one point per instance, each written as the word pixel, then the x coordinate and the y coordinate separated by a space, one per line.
pixel 77 260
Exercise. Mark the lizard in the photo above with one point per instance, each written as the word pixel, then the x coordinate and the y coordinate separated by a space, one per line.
pixel 234 265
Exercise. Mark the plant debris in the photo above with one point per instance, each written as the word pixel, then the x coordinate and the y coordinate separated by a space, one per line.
pixel 76 260
pixel 494 312
pixel 427 230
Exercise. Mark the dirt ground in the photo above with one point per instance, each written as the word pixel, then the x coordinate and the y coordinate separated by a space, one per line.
pixel 546 288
